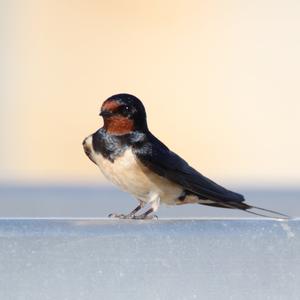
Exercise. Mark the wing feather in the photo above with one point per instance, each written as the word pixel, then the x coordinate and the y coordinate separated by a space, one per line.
pixel 158 158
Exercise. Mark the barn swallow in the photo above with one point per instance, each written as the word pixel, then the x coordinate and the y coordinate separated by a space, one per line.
pixel 131 157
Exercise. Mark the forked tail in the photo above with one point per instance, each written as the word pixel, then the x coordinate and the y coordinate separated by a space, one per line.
pixel 276 214
pixel 249 209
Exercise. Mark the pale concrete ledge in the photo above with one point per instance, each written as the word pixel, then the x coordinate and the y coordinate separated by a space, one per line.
pixel 165 259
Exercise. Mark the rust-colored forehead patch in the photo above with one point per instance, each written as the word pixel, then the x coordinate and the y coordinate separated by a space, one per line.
pixel 118 125
pixel 110 105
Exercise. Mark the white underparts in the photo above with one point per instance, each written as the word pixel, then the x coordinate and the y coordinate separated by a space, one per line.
pixel 128 173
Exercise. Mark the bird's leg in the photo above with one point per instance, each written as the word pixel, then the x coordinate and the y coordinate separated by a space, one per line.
pixel 130 215
pixel 155 201
pixel 145 215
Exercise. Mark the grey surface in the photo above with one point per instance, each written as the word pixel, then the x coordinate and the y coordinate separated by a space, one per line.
pixel 164 259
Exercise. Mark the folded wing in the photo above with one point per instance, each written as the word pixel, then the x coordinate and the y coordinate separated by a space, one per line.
pixel 158 158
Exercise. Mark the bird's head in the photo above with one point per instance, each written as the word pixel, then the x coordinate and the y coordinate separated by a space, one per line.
pixel 122 114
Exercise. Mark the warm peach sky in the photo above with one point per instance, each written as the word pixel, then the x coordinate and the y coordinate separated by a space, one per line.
pixel 219 79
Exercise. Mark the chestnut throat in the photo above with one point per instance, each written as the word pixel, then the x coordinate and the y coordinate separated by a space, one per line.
pixel 118 125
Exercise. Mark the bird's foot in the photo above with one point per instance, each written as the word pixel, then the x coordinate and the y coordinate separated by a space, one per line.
pixel 145 217
pixel 121 216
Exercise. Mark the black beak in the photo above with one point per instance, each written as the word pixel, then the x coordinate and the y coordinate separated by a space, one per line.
pixel 105 114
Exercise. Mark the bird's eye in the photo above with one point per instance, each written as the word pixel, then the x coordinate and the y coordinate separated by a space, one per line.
pixel 124 110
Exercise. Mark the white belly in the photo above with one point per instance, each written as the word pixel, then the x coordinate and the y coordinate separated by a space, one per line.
pixel 132 176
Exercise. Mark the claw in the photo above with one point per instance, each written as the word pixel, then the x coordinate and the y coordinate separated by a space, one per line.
pixel 131 216
pixel 126 216
pixel 118 216
pixel 143 217
pixel 121 216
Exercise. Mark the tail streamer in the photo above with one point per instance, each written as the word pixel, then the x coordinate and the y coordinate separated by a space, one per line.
pixel 247 208
pixel 277 215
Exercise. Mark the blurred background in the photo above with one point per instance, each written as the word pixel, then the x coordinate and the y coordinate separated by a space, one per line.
pixel 220 82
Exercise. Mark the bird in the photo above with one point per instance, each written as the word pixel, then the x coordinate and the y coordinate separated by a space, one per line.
pixel 132 158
